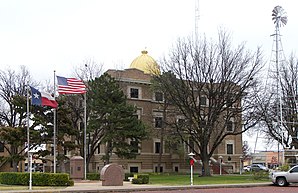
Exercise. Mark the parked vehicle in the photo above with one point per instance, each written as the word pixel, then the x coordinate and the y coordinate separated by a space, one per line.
pixel 285 178
pixel 246 168
pixel 258 167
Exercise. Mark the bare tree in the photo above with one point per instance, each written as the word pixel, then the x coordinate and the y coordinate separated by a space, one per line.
pixel 13 113
pixel 279 108
pixel 212 86
pixel 89 70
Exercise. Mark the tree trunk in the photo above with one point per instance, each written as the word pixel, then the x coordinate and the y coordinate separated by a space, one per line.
pixel 15 159
pixel 15 166
pixel 205 161
pixel 108 153
pixel 206 168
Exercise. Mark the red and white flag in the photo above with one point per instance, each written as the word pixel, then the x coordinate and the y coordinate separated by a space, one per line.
pixel 42 98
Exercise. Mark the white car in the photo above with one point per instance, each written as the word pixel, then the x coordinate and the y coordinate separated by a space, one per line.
pixel 258 167
pixel 285 178
pixel 246 168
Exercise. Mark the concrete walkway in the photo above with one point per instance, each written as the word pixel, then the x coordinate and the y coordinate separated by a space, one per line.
pixel 96 186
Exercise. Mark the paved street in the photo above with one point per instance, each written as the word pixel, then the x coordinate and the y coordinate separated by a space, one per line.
pixel 266 189
pixel 96 187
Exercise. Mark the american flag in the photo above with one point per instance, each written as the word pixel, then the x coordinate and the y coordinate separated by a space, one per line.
pixel 70 86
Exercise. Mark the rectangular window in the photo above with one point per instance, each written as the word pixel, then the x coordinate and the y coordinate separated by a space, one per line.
pixel 1 147
pixel 98 148
pixel 230 149
pixel 134 93
pixel 176 169
pixel 133 169
pixel 135 146
pixel 230 126
pixel 158 96
pixel 203 100
pixel 160 169
pixel 157 147
pixel 158 122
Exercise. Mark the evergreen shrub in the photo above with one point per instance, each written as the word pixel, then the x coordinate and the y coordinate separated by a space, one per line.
pixel 93 176
pixel 126 175
pixel 38 179
pixel 141 179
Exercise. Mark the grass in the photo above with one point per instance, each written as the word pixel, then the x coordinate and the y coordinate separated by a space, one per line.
pixel 18 187
pixel 172 180
pixel 176 180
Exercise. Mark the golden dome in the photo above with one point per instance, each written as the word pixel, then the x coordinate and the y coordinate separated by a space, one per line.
pixel 145 63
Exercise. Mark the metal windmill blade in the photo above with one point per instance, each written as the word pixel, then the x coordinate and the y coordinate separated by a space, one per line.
pixel 279 16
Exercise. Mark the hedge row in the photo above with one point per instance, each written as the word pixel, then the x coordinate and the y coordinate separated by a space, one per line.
pixel 38 179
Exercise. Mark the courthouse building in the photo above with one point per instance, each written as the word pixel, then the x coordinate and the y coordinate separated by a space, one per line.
pixel 136 84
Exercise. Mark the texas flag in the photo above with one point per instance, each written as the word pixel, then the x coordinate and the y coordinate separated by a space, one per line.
pixel 42 98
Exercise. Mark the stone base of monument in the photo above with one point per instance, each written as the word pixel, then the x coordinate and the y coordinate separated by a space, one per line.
pixel 112 175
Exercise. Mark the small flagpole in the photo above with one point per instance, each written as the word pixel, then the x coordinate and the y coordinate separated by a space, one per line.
pixel 28 137
pixel 54 128
pixel 29 163
pixel 85 130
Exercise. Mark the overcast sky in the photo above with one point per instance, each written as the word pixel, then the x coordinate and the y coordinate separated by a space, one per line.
pixel 48 35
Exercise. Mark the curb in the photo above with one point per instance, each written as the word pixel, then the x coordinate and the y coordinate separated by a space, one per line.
pixel 86 187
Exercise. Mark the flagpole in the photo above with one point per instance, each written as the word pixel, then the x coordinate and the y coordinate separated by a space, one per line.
pixel 54 128
pixel 28 138
pixel 28 142
pixel 85 141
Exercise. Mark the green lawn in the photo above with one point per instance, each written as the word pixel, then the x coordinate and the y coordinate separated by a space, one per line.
pixel 173 180
pixel 4 187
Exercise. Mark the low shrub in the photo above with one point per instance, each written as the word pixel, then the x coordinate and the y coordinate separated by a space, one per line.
pixel 93 176
pixel 38 179
pixel 141 179
pixel 260 175
pixel 285 167
pixel 127 175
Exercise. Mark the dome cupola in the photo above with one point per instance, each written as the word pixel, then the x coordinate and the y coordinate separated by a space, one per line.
pixel 145 63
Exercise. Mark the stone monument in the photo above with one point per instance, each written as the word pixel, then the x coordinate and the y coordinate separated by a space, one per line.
pixel 112 175
pixel 76 167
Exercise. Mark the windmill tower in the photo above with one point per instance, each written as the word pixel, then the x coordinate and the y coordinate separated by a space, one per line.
pixel 279 17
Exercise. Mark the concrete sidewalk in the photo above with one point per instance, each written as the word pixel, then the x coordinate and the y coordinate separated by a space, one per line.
pixel 96 186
